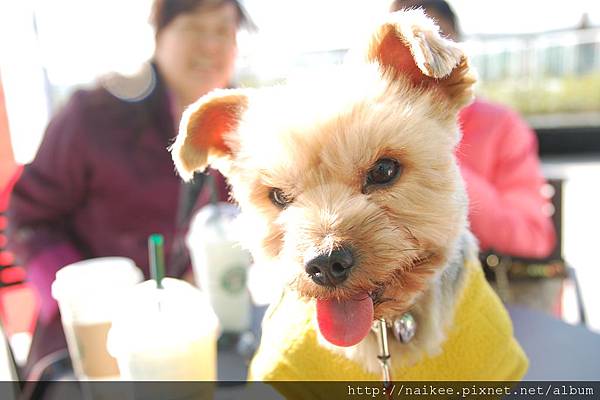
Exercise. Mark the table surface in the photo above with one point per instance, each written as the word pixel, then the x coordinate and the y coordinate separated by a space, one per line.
pixel 556 350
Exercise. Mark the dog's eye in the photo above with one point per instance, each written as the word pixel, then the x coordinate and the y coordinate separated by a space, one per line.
pixel 279 198
pixel 384 172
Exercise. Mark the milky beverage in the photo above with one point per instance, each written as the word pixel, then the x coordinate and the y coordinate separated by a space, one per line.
pixel 87 293
pixel 167 334
pixel 95 362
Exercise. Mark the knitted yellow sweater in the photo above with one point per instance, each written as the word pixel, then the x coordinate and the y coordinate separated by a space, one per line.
pixel 479 346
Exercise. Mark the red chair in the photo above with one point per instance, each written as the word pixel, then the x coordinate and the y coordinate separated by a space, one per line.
pixel 19 302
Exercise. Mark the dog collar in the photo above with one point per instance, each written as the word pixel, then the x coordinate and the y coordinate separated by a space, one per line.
pixel 403 328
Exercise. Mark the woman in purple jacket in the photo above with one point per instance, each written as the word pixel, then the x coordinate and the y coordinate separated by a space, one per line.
pixel 103 180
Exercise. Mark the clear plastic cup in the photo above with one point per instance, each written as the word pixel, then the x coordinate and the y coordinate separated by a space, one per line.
pixel 167 334
pixel 88 292
pixel 221 265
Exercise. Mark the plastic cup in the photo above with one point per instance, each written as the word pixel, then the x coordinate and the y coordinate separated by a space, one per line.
pixel 88 292
pixel 221 265
pixel 167 334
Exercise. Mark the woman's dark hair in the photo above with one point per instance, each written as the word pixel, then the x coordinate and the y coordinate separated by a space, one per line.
pixel 165 11
pixel 440 6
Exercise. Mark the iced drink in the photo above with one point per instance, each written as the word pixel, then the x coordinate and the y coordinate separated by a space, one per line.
pixel 88 293
pixel 221 265
pixel 165 334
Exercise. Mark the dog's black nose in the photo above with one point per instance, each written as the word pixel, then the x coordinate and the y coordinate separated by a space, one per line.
pixel 330 269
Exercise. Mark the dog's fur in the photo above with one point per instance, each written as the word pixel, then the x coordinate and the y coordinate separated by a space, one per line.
pixel 317 140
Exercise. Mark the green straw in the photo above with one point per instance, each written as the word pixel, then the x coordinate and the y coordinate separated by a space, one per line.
pixel 157 258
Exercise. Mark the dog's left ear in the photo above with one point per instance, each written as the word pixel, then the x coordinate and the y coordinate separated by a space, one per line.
pixel 408 44
pixel 207 131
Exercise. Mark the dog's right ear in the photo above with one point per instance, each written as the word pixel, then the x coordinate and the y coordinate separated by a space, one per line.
pixel 409 44
pixel 207 130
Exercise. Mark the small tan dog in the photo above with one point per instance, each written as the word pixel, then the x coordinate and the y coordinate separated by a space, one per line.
pixel 350 181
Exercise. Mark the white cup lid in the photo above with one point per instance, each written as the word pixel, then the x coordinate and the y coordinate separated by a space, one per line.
pixel 88 277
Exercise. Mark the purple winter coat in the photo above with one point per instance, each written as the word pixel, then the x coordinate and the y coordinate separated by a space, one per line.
pixel 101 183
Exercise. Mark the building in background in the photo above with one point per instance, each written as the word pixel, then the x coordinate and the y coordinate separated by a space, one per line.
pixel 537 73
pixel 541 73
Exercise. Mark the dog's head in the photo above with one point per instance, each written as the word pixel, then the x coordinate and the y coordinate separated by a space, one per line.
pixel 349 179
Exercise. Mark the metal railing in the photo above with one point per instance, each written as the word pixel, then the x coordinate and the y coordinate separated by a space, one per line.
pixel 536 56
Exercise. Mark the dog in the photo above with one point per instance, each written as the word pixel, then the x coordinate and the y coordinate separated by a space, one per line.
pixel 350 182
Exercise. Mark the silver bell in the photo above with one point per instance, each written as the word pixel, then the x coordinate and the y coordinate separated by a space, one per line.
pixel 404 328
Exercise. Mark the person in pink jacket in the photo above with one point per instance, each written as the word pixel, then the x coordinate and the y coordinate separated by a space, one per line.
pixel 500 165
pixel 499 162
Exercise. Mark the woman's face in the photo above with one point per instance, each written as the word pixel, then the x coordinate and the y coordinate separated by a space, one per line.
pixel 196 51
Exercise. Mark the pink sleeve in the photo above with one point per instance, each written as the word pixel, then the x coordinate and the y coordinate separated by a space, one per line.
pixel 41 271
pixel 508 212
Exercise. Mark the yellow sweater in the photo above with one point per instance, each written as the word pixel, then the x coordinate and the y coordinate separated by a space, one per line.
pixel 479 346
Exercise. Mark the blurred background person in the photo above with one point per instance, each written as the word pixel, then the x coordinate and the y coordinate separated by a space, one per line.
pixel 102 180
pixel 499 161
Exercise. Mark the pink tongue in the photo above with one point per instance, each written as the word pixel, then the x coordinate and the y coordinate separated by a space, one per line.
pixel 345 323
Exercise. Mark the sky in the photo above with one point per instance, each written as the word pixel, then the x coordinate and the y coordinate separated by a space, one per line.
pixel 518 16
pixel 316 24
pixel 103 35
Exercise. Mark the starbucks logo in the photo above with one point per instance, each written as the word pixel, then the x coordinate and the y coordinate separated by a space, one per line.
pixel 233 281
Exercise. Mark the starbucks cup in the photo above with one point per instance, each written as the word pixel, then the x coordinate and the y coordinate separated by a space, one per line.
pixel 167 334
pixel 87 293
pixel 221 265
